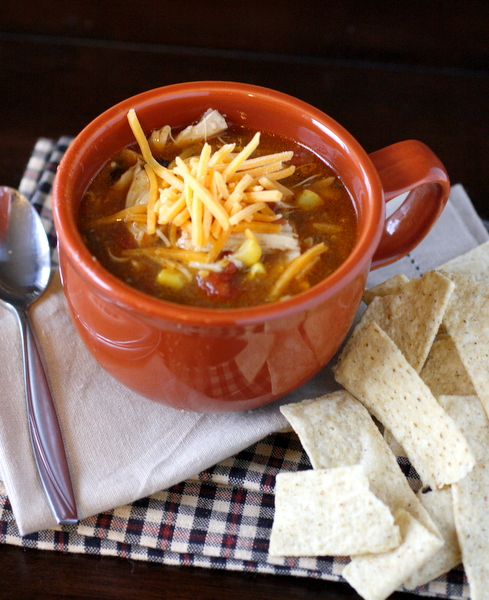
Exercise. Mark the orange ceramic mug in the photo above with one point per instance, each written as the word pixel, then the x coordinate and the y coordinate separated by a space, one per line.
pixel 235 359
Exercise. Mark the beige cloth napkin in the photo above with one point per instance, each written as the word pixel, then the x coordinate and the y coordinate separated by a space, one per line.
pixel 122 447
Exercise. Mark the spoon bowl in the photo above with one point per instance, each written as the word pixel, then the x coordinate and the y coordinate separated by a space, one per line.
pixel 25 262
pixel 25 269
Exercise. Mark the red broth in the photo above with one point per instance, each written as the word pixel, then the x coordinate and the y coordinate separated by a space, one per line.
pixel 316 213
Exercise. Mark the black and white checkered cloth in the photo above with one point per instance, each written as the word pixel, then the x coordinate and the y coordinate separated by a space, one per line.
pixel 221 519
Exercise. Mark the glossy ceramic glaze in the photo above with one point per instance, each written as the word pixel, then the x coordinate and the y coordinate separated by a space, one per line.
pixel 226 360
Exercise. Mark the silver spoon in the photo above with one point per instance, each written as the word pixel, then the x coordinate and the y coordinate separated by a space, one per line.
pixel 25 268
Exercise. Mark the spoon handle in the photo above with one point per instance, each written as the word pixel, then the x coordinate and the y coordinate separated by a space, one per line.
pixel 45 431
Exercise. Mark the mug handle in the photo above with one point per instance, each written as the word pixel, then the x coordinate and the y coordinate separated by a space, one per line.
pixel 409 166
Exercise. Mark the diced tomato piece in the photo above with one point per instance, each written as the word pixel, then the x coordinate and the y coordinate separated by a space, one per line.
pixel 220 285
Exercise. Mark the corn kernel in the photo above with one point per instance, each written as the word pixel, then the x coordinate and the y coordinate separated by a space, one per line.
pixel 171 278
pixel 250 250
pixel 309 200
pixel 257 269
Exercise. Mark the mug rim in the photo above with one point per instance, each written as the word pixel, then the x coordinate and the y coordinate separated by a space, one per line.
pixel 71 244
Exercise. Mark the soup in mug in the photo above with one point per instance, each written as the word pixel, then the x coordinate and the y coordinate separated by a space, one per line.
pixel 217 215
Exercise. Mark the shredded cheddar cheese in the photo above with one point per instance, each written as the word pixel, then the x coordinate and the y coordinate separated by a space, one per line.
pixel 202 204
pixel 295 268
pixel 214 191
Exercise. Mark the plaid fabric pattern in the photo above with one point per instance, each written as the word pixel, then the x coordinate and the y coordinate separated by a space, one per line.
pixel 221 519
pixel 38 180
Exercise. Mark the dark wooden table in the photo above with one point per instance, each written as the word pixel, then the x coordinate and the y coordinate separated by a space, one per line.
pixel 419 70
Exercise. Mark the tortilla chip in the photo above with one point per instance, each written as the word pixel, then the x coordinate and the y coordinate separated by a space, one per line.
pixel 377 576
pixel 471 493
pixel 444 372
pixel 475 262
pixel 336 431
pixel 376 372
pixel 393 285
pixel 411 318
pixel 329 512
pixel 439 504
pixel 467 322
